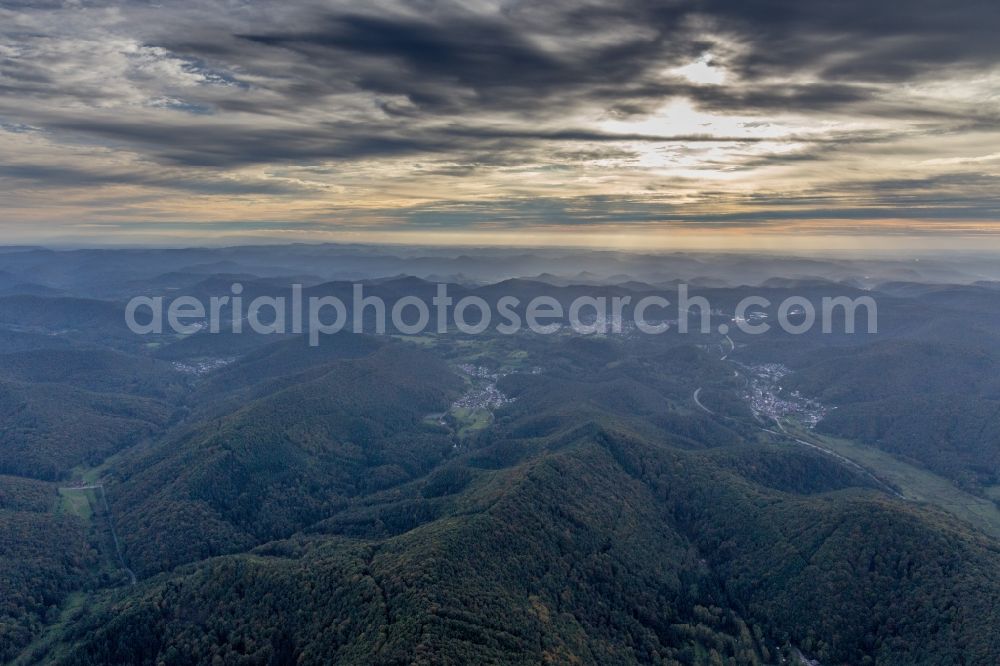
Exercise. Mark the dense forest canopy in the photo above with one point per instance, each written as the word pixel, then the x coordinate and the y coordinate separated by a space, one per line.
pixel 670 499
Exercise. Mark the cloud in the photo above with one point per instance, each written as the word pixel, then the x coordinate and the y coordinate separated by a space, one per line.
pixel 719 107
pixel 65 177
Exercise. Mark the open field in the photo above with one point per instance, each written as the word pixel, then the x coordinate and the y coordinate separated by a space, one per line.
pixel 77 502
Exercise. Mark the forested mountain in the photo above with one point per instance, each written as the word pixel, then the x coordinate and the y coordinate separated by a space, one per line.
pixel 934 403
pixel 500 499
pixel 95 370
pixel 276 464
pixel 47 429
pixel 605 550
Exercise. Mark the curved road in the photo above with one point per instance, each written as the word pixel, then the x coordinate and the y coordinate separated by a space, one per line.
pixel 698 402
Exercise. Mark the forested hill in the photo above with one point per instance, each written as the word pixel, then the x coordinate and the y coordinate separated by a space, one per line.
pixel 276 464
pixel 501 499
pixel 598 548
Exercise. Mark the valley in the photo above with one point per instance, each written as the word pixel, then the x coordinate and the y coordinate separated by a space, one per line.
pixel 616 499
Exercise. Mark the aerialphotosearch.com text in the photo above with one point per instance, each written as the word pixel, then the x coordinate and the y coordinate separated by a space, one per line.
pixel 322 314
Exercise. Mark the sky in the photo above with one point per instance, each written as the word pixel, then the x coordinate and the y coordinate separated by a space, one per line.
pixel 716 124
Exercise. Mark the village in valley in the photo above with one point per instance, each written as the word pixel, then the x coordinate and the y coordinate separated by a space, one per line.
pixel 770 402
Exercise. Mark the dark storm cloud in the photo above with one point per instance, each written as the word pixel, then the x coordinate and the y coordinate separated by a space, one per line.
pixel 69 177
pixel 463 89
pixel 196 144
pixel 446 62
pixel 861 41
